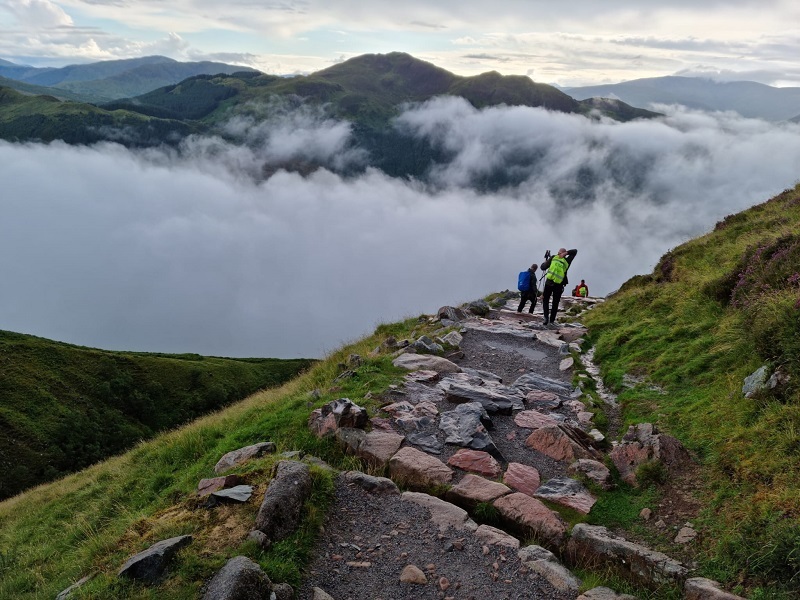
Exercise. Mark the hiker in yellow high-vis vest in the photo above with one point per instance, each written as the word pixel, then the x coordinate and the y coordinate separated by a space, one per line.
pixel 555 280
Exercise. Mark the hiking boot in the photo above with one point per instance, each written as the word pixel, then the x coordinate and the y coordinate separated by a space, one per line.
pixel 545 321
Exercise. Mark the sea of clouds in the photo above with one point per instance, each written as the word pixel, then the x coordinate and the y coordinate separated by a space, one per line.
pixel 197 250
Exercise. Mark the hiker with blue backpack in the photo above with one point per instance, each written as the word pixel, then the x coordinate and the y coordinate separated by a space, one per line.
pixel 555 279
pixel 526 283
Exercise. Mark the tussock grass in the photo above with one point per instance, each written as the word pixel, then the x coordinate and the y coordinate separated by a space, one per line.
pixel 713 311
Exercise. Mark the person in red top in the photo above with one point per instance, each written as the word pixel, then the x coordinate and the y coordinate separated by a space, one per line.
pixel 583 290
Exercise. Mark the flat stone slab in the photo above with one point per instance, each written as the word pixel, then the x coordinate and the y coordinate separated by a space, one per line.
pixel 567 492
pixel 423 376
pixel 496 399
pixel 418 392
pixel 379 446
pixel 150 564
pixel 371 483
pixel 444 514
pixel 500 328
pixel 559 576
pixel 551 338
pixel 239 493
pixel 234 458
pixel 532 517
pixel 491 536
pixel 604 593
pixel 206 486
pixel 417 469
pixel 427 442
pixel 473 489
pixel 522 478
pixel 590 544
pixel 476 461
pixel 699 588
pixel 533 419
pixel 543 399
pixel 532 381
pixel 427 362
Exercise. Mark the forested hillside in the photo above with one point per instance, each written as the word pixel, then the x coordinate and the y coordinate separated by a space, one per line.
pixel 65 407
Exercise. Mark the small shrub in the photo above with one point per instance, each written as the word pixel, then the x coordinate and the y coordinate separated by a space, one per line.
pixel 651 473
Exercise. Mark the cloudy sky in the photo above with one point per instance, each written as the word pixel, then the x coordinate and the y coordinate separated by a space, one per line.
pixel 581 42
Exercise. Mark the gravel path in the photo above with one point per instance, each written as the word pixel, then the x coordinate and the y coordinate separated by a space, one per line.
pixel 371 538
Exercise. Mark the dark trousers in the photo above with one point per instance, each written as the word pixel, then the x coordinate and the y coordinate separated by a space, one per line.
pixel 529 295
pixel 553 290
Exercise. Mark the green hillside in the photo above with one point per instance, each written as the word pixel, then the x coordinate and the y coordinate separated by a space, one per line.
pixel 46 118
pixel 714 310
pixel 65 407
pixel 37 90
pixel 109 80
pixel 368 89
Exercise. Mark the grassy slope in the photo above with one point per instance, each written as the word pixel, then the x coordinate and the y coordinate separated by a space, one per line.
pixel 714 310
pixel 46 118
pixel 64 407
pixel 92 521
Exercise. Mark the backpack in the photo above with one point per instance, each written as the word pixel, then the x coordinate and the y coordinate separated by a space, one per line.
pixel 524 281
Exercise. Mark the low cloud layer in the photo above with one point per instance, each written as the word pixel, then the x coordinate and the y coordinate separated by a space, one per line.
pixel 192 252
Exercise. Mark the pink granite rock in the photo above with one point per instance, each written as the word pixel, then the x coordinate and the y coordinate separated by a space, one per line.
pixel 560 443
pixel 567 492
pixel 533 419
pixel 491 536
pixel 418 470
pixel 379 446
pixel 207 486
pixel 476 461
pixel 532 517
pixel 543 398
pixel 473 489
pixel 522 478
pixel 423 376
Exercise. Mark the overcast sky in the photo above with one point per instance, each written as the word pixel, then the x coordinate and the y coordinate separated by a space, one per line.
pixel 190 252
pixel 581 42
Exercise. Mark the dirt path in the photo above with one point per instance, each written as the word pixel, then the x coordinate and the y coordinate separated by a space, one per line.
pixel 370 539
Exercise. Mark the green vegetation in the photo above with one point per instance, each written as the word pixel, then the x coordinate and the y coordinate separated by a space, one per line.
pixel 713 311
pixel 45 118
pixel 65 407
pixel 92 521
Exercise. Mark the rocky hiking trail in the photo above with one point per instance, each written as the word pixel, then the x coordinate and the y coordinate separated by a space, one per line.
pixel 487 447
pixel 498 432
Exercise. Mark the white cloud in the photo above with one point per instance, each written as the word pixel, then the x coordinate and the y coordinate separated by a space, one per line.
pixel 41 14
pixel 193 252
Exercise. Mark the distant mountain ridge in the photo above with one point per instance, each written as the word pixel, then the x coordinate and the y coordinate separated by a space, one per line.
pixel 748 98
pixel 367 91
pixel 112 79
